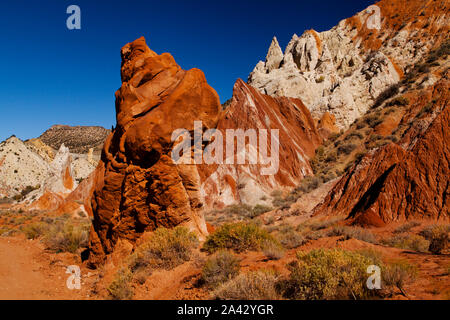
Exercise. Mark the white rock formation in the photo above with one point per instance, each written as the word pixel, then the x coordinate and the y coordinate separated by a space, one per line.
pixel 20 168
pixel 333 71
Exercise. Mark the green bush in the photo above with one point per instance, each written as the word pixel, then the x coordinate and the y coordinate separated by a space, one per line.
pixel 239 237
pixel 327 274
pixel 166 249
pixel 220 268
pixel 260 285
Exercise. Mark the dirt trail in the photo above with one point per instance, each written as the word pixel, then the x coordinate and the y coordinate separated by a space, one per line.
pixel 28 273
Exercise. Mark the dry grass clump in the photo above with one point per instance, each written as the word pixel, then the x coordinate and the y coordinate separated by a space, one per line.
pixel 408 242
pixel 239 237
pixel 353 233
pixel 397 274
pixel 166 249
pixel 61 234
pixel 438 237
pixel 407 227
pixel 220 268
pixel 120 288
pixel 259 285
pixel 272 250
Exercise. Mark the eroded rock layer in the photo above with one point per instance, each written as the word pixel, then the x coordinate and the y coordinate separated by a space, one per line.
pixel 138 187
pixel 397 182
pixel 298 139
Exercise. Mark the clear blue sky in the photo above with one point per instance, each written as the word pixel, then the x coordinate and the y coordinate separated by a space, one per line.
pixel 51 75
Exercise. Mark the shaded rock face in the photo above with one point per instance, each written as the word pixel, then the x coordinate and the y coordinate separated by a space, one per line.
pixel 298 139
pixel 138 187
pixel 400 182
pixel 342 71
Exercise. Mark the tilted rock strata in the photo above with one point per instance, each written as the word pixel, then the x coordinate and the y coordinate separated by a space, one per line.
pixel 298 138
pixel 400 182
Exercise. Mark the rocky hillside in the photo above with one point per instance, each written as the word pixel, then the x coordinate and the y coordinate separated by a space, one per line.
pixel 78 139
pixel 344 70
pixel 298 138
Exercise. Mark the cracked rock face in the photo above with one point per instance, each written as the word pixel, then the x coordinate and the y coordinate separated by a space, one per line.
pixel 343 70
pixel 138 186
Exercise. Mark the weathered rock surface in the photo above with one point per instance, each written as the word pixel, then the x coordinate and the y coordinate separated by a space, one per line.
pixel 342 71
pixel 405 181
pixel 138 186
pixel 20 168
pixel 298 139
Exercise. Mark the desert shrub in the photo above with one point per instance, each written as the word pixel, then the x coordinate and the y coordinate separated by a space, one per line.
pixel 166 249
pixel 438 237
pixel 354 134
pixel 393 138
pixel 373 120
pixel 259 285
pixel 260 209
pixel 239 237
pixel 407 227
pixel 66 236
pixel 291 239
pixel 322 224
pixel 221 267
pixel 34 230
pixel 320 79
pixel 408 242
pixel 353 233
pixel 309 184
pixel 238 209
pixel 386 94
pixel 331 157
pixel 396 274
pixel 327 274
pixel 272 250
pixel 347 148
pixel 120 288
pixel 398 101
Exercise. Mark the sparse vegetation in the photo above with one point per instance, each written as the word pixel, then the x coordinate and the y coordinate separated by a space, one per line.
pixel 166 249
pixel 408 242
pixel 259 285
pixel 407 227
pixel 220 268
pixel 438 237
pixel 239 237
pixel 272 250
pixel 353 233
pixel 120 288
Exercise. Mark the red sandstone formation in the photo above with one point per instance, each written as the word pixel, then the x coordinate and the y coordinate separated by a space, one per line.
pixel 138 187
pixel 298 140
